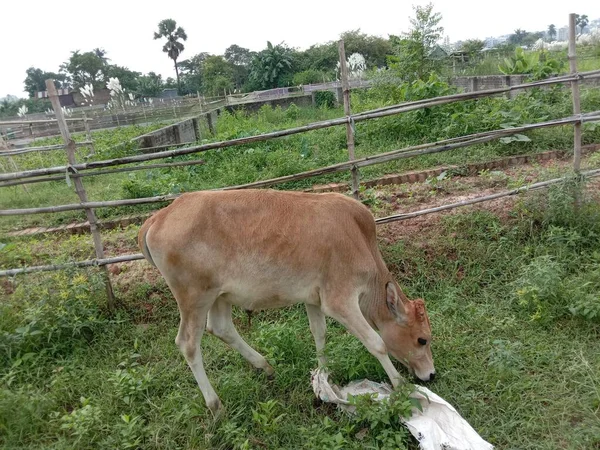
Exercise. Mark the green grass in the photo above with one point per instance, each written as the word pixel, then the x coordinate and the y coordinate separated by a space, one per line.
pixel 523 372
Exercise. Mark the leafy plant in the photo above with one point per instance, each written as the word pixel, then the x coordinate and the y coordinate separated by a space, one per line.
pixel 266 416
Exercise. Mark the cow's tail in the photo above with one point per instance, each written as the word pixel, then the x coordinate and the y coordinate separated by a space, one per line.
pixel 142 243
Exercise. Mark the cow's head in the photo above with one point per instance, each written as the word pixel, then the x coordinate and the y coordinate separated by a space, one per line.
pixel 407 333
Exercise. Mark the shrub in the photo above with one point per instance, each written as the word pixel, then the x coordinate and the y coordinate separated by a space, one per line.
pixel 325 99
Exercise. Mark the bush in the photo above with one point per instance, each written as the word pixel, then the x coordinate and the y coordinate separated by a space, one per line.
pixel 51 318
pixel 310 76
pixel 325 99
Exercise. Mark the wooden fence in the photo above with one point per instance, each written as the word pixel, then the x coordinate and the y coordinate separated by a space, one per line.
pixel 78 170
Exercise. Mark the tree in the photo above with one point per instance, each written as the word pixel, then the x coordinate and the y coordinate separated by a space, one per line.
pixel 518 37
pixel 127 78
pixel 472 47
pixel 238 56
pixel 84 68
pixel 270 66
pixel 101 53
pixel 218 75
pixel 36 80
pixel 373 48
pixel 173 47
pixel 581 22
pixel 190 72
pixel 411 60
pixel 551 32
pixel 149 85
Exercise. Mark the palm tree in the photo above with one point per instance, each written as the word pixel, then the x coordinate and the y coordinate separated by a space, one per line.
pixel 551 32
pixel 173 47
pixel 101 53
pixel 581 22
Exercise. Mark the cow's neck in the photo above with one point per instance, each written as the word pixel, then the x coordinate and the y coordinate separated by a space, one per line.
pixel 373 305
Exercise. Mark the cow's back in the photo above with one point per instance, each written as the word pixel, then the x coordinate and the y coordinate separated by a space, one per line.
pixel 267 243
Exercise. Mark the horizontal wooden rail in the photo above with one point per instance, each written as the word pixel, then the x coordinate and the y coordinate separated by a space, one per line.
pixel 27 122
pixel 22 151
pixel 88 263
pixel 376 113
pixel 195 162
pixel 409 152
pixel 380 221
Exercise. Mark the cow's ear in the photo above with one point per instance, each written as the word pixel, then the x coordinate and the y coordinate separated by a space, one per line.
pixel 393 301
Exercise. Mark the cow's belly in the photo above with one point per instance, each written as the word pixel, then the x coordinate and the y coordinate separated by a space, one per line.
pixel 266 294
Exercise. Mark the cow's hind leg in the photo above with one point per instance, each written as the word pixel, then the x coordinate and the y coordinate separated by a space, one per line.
pixel 318 328
pixel 220 324
pixel 193 310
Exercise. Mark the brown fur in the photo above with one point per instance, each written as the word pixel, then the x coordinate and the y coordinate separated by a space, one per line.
pixel 266 249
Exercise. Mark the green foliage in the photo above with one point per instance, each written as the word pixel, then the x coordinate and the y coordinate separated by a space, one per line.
pixel 473 47
pixel 149 85
pixel 325 99
pixel 270 66
pixel 218 76
pixel 310 76
pixel 382 418
pixel 411 59
pixel 292 112
pixel 86 68
pixel 9 109
pixel 52 319
pixel 36 80
pixel 564 280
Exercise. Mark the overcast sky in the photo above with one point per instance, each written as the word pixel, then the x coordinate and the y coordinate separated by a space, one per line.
pixel 33 35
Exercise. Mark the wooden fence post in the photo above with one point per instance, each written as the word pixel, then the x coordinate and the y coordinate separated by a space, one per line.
pixel 350 123
pixel 575 94
pixel 88 133
pixel 91 216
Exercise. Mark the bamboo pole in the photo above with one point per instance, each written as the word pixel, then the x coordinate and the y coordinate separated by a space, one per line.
pixel 530 187
pixel 381 112
pixel 87 263
pixel 47 148
pixel 408 152
pixel 40 121
pixel 105 172
pixel 349 121
pixel 88 134
pixel 380 221
pixel 91 216
pixel 575 94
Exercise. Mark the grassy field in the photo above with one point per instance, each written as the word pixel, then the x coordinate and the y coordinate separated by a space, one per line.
pixel 512 293
pixel 511 288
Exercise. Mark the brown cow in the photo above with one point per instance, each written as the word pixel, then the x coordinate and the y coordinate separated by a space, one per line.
pixel 260 249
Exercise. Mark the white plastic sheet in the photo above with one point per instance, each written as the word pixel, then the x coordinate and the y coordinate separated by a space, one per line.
pixel 438 427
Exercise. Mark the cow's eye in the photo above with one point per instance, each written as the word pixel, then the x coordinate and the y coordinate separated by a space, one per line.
pixel 422 341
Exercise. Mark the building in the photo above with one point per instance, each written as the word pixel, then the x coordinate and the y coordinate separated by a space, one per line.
pixel 563 34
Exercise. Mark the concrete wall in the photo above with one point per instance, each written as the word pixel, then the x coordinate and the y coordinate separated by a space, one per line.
pixel 179 133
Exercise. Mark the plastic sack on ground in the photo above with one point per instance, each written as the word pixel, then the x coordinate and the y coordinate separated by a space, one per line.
pixel 438 427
